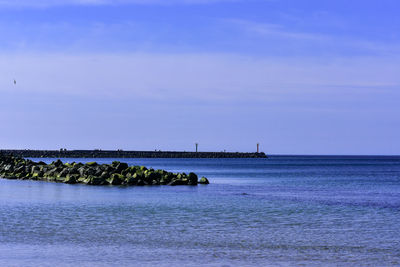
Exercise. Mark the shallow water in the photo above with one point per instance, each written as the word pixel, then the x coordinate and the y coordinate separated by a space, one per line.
pixel 257 212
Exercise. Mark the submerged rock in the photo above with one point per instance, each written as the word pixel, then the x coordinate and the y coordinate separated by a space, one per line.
pixel 92 173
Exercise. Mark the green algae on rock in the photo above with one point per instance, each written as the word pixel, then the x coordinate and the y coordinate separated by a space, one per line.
pixel 203 180
pixel 92 173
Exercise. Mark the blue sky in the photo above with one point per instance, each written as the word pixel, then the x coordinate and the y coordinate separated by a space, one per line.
pixel 300 77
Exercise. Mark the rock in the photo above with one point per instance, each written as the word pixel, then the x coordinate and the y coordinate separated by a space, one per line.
pixel 98 171
pixel 131 181
pixel 60 179
pixel 116 179
pixel 143 168
pixel 150 176
pixel 35 176
pixel 93 180
pixel 105 175
pixel 121 167
pixel 51 173
pixel 192 179
pixel 35 168
pixel 204 180
pixel 177 182
pixel 73 170
pixel 115 163
pixel 142 182
pixel 138 175
pixel 82 171
pixel 90 171
pixel 71 179
pixel 78 165
pixel 20 170
pixel 58 163
pixel 63 173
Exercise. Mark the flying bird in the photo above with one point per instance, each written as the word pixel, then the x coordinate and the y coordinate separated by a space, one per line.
pixel 15 82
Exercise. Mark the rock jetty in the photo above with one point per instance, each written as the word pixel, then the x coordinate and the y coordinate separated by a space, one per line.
pixel 63 153
pixel 92 173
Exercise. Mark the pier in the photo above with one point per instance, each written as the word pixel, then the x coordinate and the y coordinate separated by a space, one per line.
pixel 63 153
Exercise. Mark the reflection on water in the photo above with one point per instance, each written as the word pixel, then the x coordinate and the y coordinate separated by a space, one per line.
pixel 288 211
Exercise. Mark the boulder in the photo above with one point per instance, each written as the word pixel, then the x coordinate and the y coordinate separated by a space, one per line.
pixel 97 181
pixel 166 178
pixel 82 171
pixel 105 175
pixel 35 176
pixel 141 182
pixel 143 168
pixel 60 179
pixel 34 168
pixel 121 167
pixel 150 176
pixel 204 180
pixel 116 179
pixel 192 179
pixel 71 179
pixel 98 171
pixel 131 181
pixel 51 173
pixel 177 182
pixel 63 173
pixel 115 163
pixel 58 163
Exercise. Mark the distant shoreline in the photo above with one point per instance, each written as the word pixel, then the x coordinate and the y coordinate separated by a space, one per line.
pixel 27 153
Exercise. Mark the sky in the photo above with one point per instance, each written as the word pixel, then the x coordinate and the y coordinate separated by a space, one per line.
pixel 296 76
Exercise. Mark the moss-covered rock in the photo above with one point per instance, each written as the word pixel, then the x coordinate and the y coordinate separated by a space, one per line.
pixel 58 163
pixel 95 180
pixel 121 167
pixel 131 181
pixel 204 180
pixel 71 179
pixel 116 179
pixel 192 179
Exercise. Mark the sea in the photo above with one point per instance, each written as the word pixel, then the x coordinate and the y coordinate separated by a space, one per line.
pixel 280 211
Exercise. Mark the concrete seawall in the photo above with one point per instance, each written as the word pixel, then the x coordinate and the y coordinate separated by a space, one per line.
pixel 126 154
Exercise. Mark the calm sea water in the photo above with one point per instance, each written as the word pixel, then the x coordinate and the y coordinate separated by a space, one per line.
pixel 257 212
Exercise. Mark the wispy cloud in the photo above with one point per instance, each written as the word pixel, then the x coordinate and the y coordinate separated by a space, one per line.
pixel 276 30
pixel 336 41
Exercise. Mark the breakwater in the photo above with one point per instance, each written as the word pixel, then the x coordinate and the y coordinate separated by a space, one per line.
pixel 117 173
pixel 126 154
